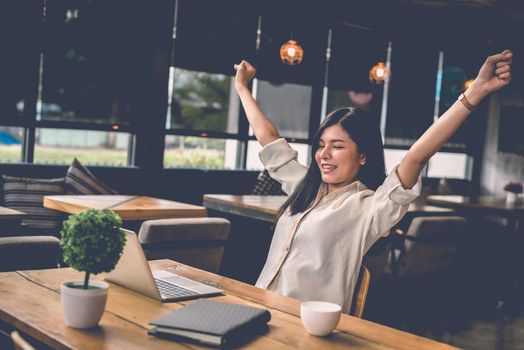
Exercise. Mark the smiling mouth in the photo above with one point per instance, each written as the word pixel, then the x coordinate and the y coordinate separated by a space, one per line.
pixel 326 168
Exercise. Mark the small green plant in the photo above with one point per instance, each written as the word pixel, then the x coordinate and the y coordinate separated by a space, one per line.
pixel 515 187
pixel 92 241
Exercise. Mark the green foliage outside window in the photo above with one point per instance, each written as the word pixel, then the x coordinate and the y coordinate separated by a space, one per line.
pixel 201 101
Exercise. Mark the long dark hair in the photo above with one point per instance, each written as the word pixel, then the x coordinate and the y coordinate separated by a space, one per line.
pixel 363 129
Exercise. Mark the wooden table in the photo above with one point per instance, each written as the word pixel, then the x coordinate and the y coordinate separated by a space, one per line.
pixel 257 207
pixel 11 214
pixel 128 207
pixel 31 303
pixel 486 205
pixel 10 221
pixel 266 207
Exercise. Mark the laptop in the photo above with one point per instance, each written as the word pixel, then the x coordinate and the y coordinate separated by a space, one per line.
pixel 133 272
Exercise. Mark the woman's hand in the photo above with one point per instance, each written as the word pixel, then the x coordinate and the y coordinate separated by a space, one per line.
pixel 494 74
pixel 245 72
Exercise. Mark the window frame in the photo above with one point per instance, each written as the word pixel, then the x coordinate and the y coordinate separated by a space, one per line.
pixel 139 137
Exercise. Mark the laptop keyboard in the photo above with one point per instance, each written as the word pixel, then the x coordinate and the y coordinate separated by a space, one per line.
pixel 170 290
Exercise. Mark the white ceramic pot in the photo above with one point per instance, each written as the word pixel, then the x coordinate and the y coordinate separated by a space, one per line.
pixel 511 197
pixel 83 308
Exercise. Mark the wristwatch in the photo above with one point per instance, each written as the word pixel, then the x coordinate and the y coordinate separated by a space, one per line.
pixel 462 98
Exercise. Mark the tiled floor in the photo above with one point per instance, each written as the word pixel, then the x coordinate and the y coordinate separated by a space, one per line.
pixel 505 333
pixel 476 323
pixel 462 306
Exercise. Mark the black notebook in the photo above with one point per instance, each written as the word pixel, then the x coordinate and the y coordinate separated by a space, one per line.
pixel 212 322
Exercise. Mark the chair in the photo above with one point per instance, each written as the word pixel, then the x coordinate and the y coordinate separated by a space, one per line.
pixel 266 186
pixel 430 246
pixel 376 258
pixel 19 342
pixel 198 242
pixel 29 252
pixel 361 292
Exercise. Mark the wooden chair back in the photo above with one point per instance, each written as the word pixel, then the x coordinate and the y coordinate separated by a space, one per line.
pixel 361 292
pixel 19 342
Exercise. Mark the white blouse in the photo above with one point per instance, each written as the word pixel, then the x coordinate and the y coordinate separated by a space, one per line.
pixel 316 254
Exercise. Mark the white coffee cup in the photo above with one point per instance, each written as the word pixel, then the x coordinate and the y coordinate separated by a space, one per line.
pixel 319 317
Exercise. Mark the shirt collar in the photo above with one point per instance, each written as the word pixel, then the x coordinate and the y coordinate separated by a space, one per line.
pixel 354 187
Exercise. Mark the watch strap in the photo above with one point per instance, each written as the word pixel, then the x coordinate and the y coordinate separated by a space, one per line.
pixel 462 98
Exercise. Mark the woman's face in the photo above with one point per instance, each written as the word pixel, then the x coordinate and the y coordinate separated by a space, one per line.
pixel 338 158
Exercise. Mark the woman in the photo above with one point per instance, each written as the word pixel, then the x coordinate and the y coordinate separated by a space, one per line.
pixel 343 203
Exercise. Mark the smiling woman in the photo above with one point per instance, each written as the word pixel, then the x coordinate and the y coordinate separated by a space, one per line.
pixel 340 206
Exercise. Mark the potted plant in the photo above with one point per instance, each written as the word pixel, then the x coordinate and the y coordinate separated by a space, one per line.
pixel 512 191
pixel 92 242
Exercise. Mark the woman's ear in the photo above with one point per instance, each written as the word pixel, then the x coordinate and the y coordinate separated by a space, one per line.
pixel 362 159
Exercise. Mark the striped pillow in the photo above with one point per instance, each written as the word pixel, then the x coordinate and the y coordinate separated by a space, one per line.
pixel 79 180
pixel 26 194
pixel 265 185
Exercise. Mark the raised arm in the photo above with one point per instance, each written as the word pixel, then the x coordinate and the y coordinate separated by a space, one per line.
pixel 264 130
pixel 493 75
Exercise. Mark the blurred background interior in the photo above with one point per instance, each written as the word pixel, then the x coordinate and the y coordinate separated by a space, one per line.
pixel 142 93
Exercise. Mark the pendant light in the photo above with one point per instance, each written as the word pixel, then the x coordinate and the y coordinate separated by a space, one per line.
pixel 379 73
pixel 291 52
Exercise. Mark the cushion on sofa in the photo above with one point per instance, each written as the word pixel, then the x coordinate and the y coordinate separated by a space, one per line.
pixel 265 185
pixel 26 194
pixel 79 180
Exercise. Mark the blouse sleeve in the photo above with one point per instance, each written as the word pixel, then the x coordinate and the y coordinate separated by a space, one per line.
pixel 390 203
pixel 281 162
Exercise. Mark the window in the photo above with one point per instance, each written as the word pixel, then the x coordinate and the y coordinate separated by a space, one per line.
pixel 201 93
pixel 203 101
pixel 11 139
pixel 441 165
pixel 199 152
pixel 411 98
pixel 450 165
pixel 351 98
pixel 203 107
pixel 511 125
pixel 459 65
pixel 392 157
pixel 89 63
pixel 289 95
pixel 348 81
pixel 253 161
pixel 60 146
pixel 74 77
pixel 288 106
pixel 20 27
pixel 89 78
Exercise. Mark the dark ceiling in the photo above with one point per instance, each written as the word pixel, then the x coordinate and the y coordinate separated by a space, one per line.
pixel 510 8
pixel 466 30
pixel 440 21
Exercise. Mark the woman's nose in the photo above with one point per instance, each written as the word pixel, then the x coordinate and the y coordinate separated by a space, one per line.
pixel 325 153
